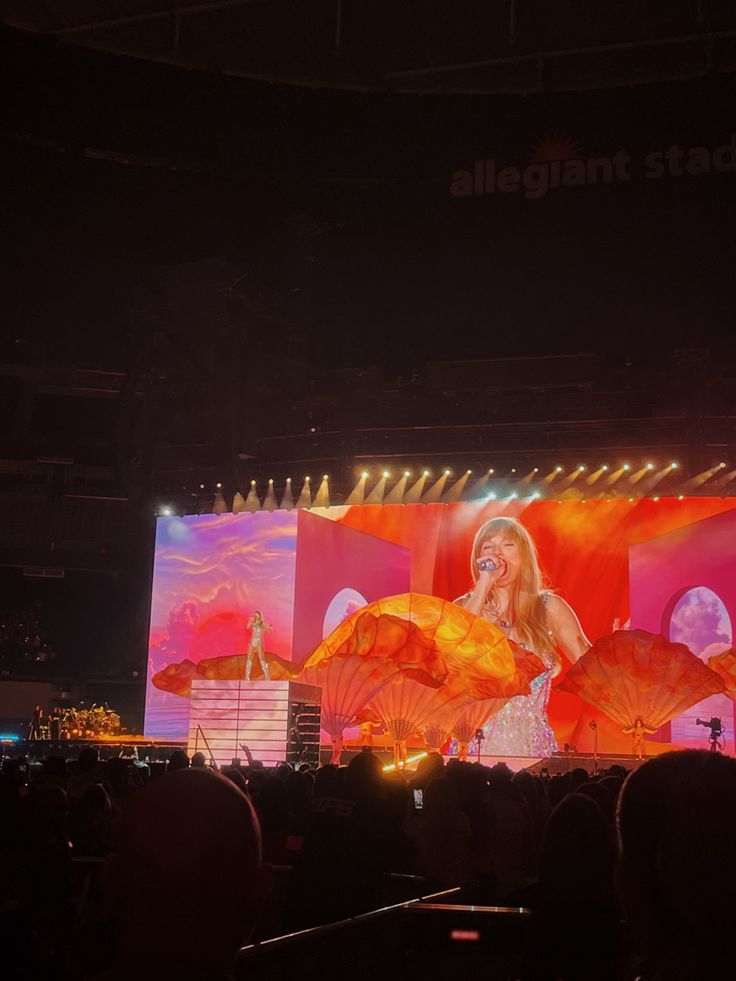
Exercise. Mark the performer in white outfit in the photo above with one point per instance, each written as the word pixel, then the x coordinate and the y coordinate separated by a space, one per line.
pixel 257 625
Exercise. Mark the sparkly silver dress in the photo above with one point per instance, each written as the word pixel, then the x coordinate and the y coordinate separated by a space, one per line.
pixel 522 728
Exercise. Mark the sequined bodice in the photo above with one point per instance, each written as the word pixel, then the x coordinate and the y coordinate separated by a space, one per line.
pixel 522 728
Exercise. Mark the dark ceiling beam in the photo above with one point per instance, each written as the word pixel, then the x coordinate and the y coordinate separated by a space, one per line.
pixel 151 15
pixel 706 37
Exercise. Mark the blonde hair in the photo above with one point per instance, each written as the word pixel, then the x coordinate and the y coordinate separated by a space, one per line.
pixel 526 609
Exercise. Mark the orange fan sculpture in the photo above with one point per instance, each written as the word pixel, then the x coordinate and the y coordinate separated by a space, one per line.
pixel 724 665
pixel 348 682
pixel 444 657
pixel 405 706
pixel 436 641
pixel 640 680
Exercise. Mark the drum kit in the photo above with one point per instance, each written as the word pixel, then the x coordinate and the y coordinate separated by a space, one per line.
pixel 80 723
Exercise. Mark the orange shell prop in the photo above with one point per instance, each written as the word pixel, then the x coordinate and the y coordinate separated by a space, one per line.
pixel 437 643
pixel 348 682
pixel 232 668
pixel 724 666
pixel 632 674
pixel 177 678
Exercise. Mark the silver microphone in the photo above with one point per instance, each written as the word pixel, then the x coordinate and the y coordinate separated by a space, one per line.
pixel 486 565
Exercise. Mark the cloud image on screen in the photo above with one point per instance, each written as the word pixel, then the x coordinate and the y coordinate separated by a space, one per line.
pixel 701 622
pixel 210 573
pixel 342 605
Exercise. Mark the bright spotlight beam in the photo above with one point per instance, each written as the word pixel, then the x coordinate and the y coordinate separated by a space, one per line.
pixel 414 494
pixel 455 492
pixel 322 497
pixel 436 490
pixel 376 495
pixel 552 475
pixel 594 477
pixel 305 496
pixel 616 475
pixel 396 495
pixel 357 494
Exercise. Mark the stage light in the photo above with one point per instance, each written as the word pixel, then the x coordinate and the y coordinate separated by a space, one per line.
pixel 396 496
pixel 604 468
pixel 721 466
pixel 288 480
pixel 219 506
pixel 491 471
pixel 513 495
pixel 650 466
pixel 357 494
pixel 305 495
pixel 558 469
pixel 703 477
pixel 674 466
pixel 325 476
pixel 581 468
pixel 435 492
pixel 626 466
pixel 594 477
pixel 322 497
pixel 680 497
pixel 631 500
pixel 513 470
pixel 655 498
pixel 414 494
pixel 385 475
pixel 270 502
pixel 536 495
pixel 252 501
pixel 535 469
pixel 218 485
pixel 201 486
pixel 166 511
pixel 457 490
pixel 491 496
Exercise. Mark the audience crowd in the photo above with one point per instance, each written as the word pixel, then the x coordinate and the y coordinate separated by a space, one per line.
pixel 112 872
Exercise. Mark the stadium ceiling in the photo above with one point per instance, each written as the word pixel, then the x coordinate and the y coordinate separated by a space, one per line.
pixel 469 46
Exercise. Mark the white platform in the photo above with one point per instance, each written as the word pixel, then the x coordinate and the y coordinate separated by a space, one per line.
pixel 223 715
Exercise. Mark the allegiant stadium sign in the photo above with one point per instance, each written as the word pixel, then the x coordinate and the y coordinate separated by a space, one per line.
pixel 558 162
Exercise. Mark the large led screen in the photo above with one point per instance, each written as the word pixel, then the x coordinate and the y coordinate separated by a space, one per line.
pixel 667 566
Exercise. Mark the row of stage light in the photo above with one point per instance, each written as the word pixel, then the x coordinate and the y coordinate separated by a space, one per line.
pixel 579 484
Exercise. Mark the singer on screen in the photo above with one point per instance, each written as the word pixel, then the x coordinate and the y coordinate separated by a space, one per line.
pixel 507 590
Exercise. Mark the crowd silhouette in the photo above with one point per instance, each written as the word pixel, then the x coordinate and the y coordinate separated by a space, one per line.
pixel 114 871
